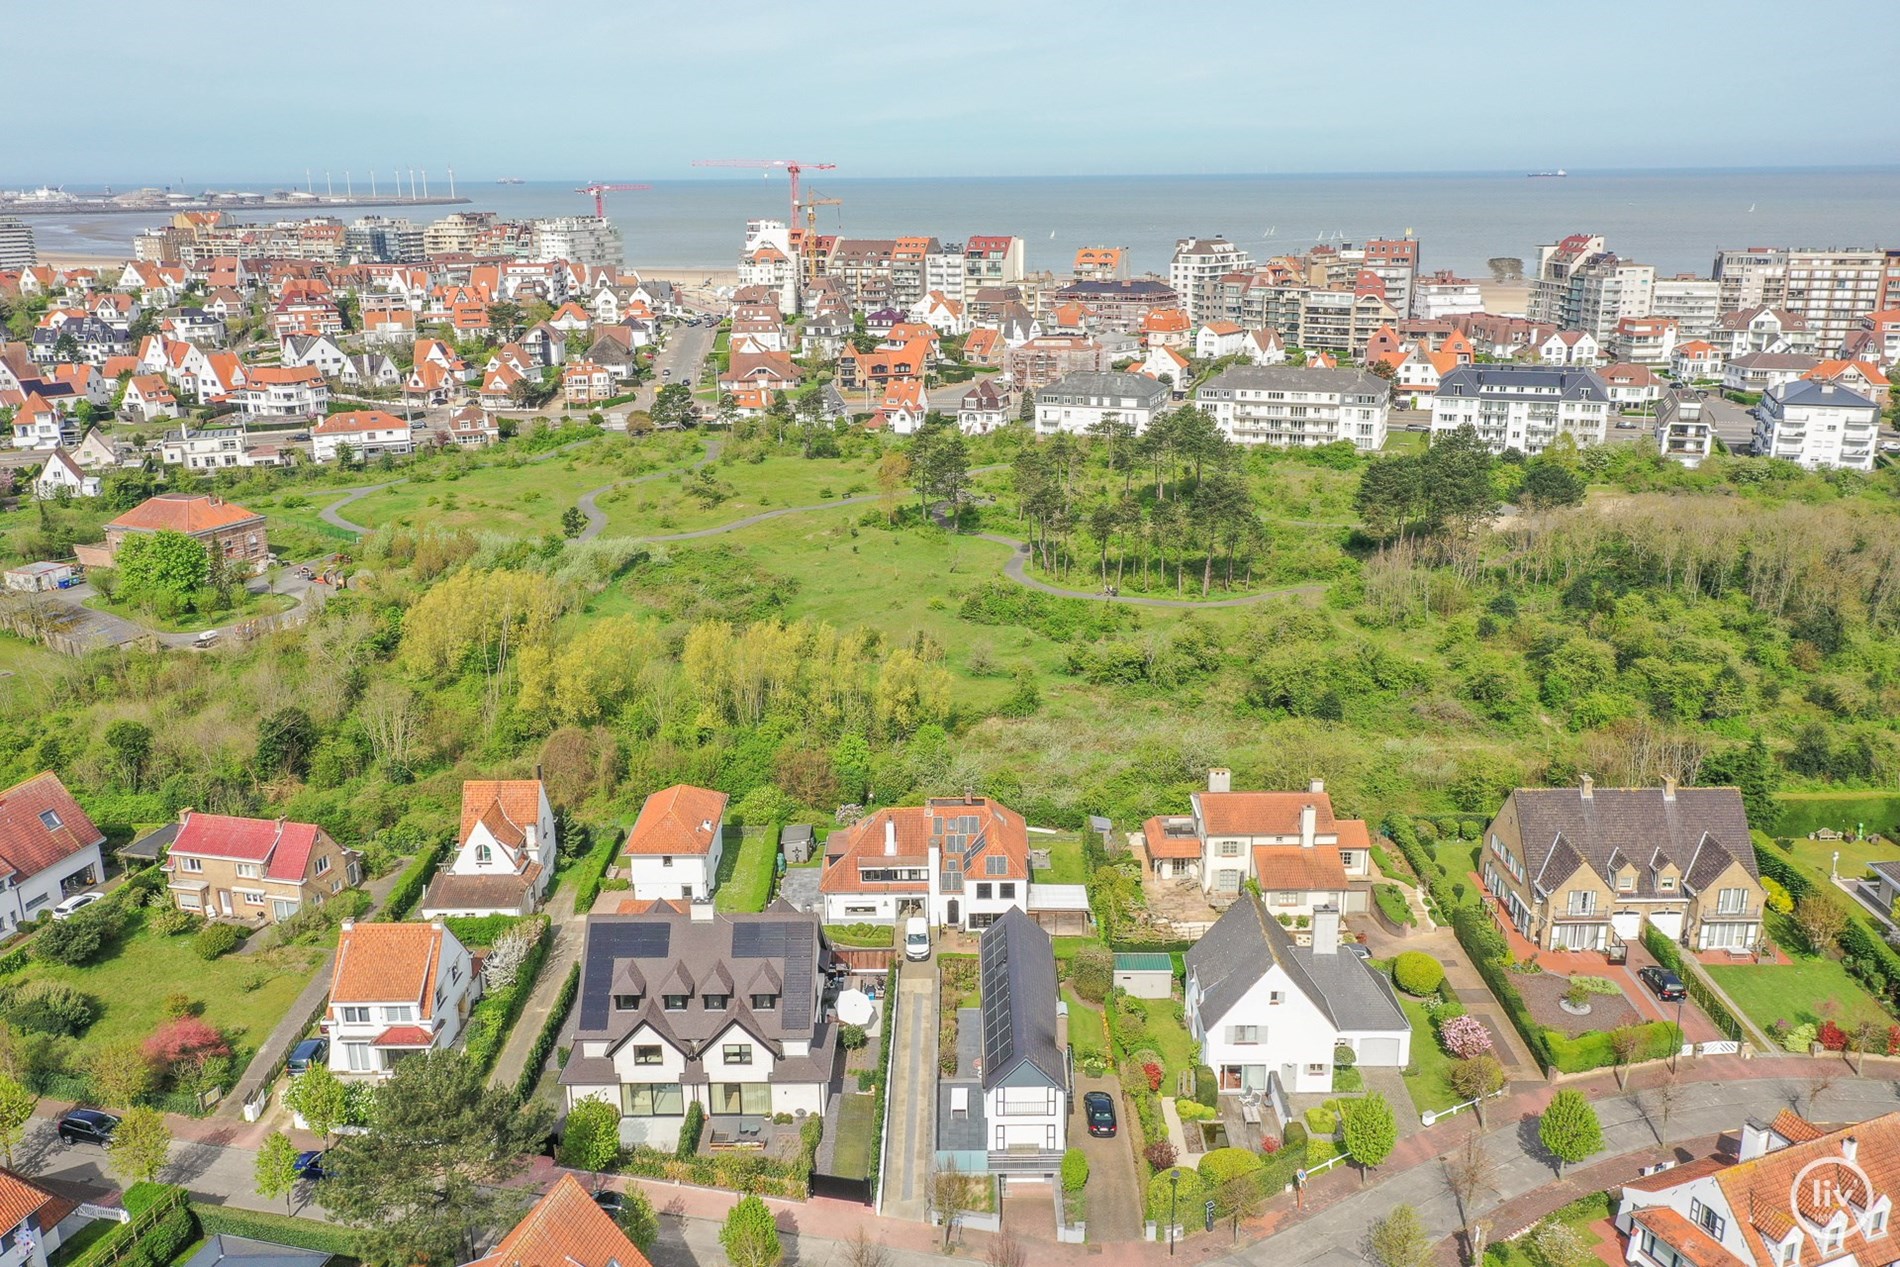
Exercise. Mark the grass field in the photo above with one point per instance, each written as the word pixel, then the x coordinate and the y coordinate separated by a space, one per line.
pixel 1065 857
pixel 1086 1034
pixel 243 995
pixel 1426 1078
pixel 857 1130
pixel 1804 812
pixel 745 869
pixel 1166 1033
pixel 735 489
pixel 1797 993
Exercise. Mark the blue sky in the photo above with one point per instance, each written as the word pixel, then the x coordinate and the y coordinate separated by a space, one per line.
pixel 637 90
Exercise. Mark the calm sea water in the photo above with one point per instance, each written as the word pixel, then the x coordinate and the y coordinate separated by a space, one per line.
pixel 1674 220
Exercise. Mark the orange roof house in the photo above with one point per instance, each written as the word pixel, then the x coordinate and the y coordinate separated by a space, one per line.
pixel 396 989
pixel 565 1228
pixel 1290 843
pixel 505 855
pixel 674 848
pixel 237 533
pixel 959 861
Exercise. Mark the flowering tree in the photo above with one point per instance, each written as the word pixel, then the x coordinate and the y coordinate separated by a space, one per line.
pixel 184 1045
pixel 1465 1037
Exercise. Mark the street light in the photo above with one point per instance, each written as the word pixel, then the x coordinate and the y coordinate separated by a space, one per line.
pixel 1174 1191
pixel 1676 1055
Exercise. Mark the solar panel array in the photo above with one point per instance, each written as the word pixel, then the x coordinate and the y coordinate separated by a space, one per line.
pixel 608 943
pixel 998 1037
pixel 791 943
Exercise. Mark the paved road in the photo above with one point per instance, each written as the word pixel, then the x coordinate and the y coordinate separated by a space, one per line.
pixel 108 629
pixel 684 354
pixel 911 1105
pixel 1731 422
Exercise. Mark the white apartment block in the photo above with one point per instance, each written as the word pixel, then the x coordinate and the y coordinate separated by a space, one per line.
pixel 768 260
pixel 1522 408
pixel 1078 403
pixel 1693 303
pixel 1289 407
pixel 1818 425
pixel 1607 290
pixel 1196 270
pixel 578 240
pixel 1441 295
pixel 16 244
pixel 945 272
pixel 1832 290
pixel 1684 432
pixel 1751 277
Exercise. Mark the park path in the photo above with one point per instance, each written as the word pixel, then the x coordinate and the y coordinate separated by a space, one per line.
pixel 330 516
pixel 589 501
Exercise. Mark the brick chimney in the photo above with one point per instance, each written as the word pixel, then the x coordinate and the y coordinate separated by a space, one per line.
pixel 1589 786
pixel 1220 779
pixel 1669 789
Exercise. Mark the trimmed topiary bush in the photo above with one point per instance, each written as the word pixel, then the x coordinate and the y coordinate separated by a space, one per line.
pixel 1222 1164
pixel 215 940
pixel 1417 973
pixel 1179 1192
pixel 1075 1170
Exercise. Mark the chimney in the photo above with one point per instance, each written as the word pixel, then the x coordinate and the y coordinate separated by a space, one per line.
pixel 347 925
pixel 1589 785
pixel 1220 779
pixel 1325 930
pixel 1669 789
pixel 1849 1147
pixel 537 772
pixel 1756 1140
pixel 702 910
pixel 1309 824
pixel 184 815
pixel 1316 786
pixel 890 837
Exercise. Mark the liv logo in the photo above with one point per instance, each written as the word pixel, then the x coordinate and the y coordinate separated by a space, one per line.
pixel 1831 1192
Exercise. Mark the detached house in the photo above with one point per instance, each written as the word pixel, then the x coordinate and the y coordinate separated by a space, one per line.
pixel 1288 843
pixel 565 1228
pixel 258 870
pixel 674 847
pixel 720 1010
pixel 63 477
pixel 229 529
pixel 506 855
pixel 49 848
pixel 33 1222
pixel 396 989
pixel 1266 1010
pixel 1584 868
pixel 366 433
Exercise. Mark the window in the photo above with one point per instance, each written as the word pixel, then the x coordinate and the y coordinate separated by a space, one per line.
pixel 646 1056
pixel 396 1014
pixel 656 1099
pixel 996 864
pixel 673 1002
pixel 666 860
pixel 1582 902
pixel 358 1054
pixel 1731 901
pixel 1877 1223
pixel 1626 882
pixel 50 819
pixel 1006 890
pixel 356 1016
pixel 626 1002
pixel 715 1002
pixel 741 1097
pixel 1316 1070
pixel 765 1002
pixel 187 901
pixel 1667 884
pixel 1230 849
pixel 483 855
pixel 1243 1033
pixel 982 892
pixel 252 897
pixel 1275 998
pixel 1706 1219
pixel 1286 898
pixel 736 1053
pixel 323 864
pixel 191 864
pixel 248 871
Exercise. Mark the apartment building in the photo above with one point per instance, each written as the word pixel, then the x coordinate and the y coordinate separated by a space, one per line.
pixel 1196 270
pixel 1118 304
pixel 992 260
pixel 578 240
pixel 1443 294
pixel 16 244
pixel 1684 432
pixel 1751 277
pixel 458 233
pixel 1394 261
pixel 1693 303
pixel 380 240
pixel 1341 321
pixel 1832 290
pixel 1523 408
pixel 1100 264
pixel 1818 425
pixel 1033 365
pixel 257 870
pixel 1288 407
pixel 768 260
pixel 1579 285
pixel 1643 340
pixel 275 391
pixel 1557 263
pixel 863 269
pixel 1080 402
pixel 1762 329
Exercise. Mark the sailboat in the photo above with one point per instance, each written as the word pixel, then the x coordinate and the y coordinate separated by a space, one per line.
pixel 1751 207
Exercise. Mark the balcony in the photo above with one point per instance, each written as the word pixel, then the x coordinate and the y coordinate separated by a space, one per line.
pixel 1025 1161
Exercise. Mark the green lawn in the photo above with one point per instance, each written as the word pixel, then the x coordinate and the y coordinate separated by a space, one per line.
pixel 1086 1034
pixel 1066 864
pixel 250 607
pixel 1794 992
pixel 871 935
pixel 76 1244
pixel 857 1131
pixel 1426 1078
pixel 1167 1034
pixel 737 490
pixel 745 869
pixel 243 995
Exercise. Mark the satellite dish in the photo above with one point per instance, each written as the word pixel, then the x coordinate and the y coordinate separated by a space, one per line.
pixel 855 1008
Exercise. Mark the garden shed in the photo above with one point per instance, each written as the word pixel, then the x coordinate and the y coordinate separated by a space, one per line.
pixel 1146 975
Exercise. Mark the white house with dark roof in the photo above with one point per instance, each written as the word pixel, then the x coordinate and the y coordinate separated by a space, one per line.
pixel 1521 407
pixel 1819 425
pixel 1076 403
pixel 1265 1009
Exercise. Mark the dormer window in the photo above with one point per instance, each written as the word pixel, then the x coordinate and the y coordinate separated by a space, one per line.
pixel 483 855
pixel 50 819
pixel 628 1003
pixel 716 1002
pixel 674 1002
pixel 1667 884
pixel 765 1002
pixel 1626 882
pixel 1877 1223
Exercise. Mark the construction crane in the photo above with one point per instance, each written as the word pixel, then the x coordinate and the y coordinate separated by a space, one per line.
pixel 791 166
pixel 600 203
pixel 812 204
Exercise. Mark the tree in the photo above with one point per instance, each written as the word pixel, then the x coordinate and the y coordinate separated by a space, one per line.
pixel 672 405
pixel 862 1251
pixel 592 1138
pixel 1549 484
pixel 141 1145
pixel 1004 1250
pixel 1559 1245
pixel 131 745
pixel 1241 1199
pixel 573 522
pixel 16 1111
pixel 1569 1128
pixel 750 1235
pixel 1751 768
pixel 1398 1239
pixel 1477 1078
pixel 893 473
pixel 120 1072
pixel 1625 1042
pixel 276 1168
pixel 1663 1099
pixel 427 1181
pixel 1370 1131
pixel 161 566
pixel 320 1098
pixel 285 740
pixel 1820 920
pixel 1868 1036
pixel 950 1197
pixel 1469 1172
pixel 638 1219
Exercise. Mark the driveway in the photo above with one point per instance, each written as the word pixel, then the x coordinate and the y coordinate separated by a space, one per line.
pixel 100 628
pixel 911 1104
pixel 1696 1027
pixel 1115 1212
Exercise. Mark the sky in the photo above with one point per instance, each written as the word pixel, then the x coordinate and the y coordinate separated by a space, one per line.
pixel 628 90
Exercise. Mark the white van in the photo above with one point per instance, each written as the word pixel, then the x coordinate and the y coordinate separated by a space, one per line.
pixel 916 938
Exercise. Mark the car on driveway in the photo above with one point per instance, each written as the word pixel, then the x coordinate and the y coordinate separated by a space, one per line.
pixel 1099 1108
pixel 309 1165
pixel 87 1126
pixel 307 1055
pixel 1663 983
pixel 610 1201
pixel 75 904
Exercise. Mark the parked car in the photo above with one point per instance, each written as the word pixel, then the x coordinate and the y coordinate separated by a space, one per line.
pixel 75 904
pixel 307 1055
pixel 916 938
pixel 612 1202
pixel 1662 983
pixel 1099 1108
pixel 309 1165
pixel 87 1126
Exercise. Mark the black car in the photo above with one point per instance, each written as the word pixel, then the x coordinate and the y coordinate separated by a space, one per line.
pixel 87 1126
pixel 1099 1108
pixel 309 1165
pixel 307 1055
pixel 612 1202
pixel 1663 983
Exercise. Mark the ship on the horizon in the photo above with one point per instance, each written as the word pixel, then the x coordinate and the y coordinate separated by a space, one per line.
pixel 510 180
pixel 1547 175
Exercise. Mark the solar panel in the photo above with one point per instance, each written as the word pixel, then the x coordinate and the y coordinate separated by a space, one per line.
pixel 796 1006
pixel 608 942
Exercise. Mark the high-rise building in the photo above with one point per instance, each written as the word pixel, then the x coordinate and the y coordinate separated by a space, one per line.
pixel 457 233
pixel 1832 290
pixel 16 243
pixel 1580 285
pixel 379 240
pixel 1394 261
pixel 1196 271
pixel 1751 277
pixel 587 240
pixel 1693 303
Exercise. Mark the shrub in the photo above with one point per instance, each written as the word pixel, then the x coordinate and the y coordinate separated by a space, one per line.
pixel 1798 1039
pixel 1344 1057
pixel 1154 1073
pixel 324 1238
pixel 1194 1111
pixel 1465 1037
pixel 1222 1164
pixel 1417 973
pixel 188 1040
pixel 1831 1036
pixel 169 921
pixel 1206 1086
pixel 852 1037
pixel 1779 899
pixel 1322 1119
pixel 1075 1170
pixel 177 1004
pixel 72 942
pixel 1159 1154
pixel 1091 972
pixel 1182 1198
pixel 1596 985
pixel 690 1127
pixel 49 1007
pixel 215 940
pixel 591 1140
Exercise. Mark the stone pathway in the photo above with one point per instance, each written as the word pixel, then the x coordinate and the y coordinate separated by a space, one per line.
pixel 569 930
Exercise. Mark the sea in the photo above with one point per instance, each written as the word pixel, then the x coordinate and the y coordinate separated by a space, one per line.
pixel 1674 220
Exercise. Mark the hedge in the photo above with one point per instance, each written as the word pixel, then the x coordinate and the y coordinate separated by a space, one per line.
pixel 481 931
pixel 1393 906
pixel 690 1127
pixel 414 882
pixel 123 1243
pixel 282 1229
pixel 1186 1198
pixel 592 868
pixel 1671 958
pixel 495 1015
pixel 883 1080
pixel 549 1035
pixel 1595 1050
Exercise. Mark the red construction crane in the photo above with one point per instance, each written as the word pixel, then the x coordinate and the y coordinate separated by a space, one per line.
pixel 791 166
pixel 600 203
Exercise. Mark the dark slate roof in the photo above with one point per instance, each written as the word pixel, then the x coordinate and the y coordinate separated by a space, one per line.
pixel 1106 384
pixel 222 1250
pixel 1293 378
pixel 152 843
pixel 965 1132
pixel 1017 966
pixel 1700 831
pixel 1808 391
pixel 1508 380
pixel 1244 942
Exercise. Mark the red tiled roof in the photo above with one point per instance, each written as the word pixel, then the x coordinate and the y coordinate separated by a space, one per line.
pixel 1162 844
pixel 909 830
pixel 405 1036
pixel 183 512
pixel 1263 813
pixel 565 1228
pixel 388 963
pixel 1297 868
pixel 1695 1246
pixel 357 420
pixel 678 820
pixel 19 1199
pixel 27 844
pixel 1794 1128
pixel 1668 1179
pixel 286 846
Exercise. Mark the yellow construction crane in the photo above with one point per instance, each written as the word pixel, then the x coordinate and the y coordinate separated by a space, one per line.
pixel 812 204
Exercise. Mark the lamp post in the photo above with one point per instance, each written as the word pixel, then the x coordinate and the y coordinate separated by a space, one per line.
pixel 1174 1193
pixel 1834 867
pixel 1676 1055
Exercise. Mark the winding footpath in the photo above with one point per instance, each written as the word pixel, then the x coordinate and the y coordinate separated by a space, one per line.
pixel 330 516
pixel 589 501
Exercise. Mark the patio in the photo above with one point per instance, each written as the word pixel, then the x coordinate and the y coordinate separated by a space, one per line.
pixel 746 1133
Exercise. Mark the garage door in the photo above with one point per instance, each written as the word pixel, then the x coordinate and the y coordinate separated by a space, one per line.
pixel 1379 1051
